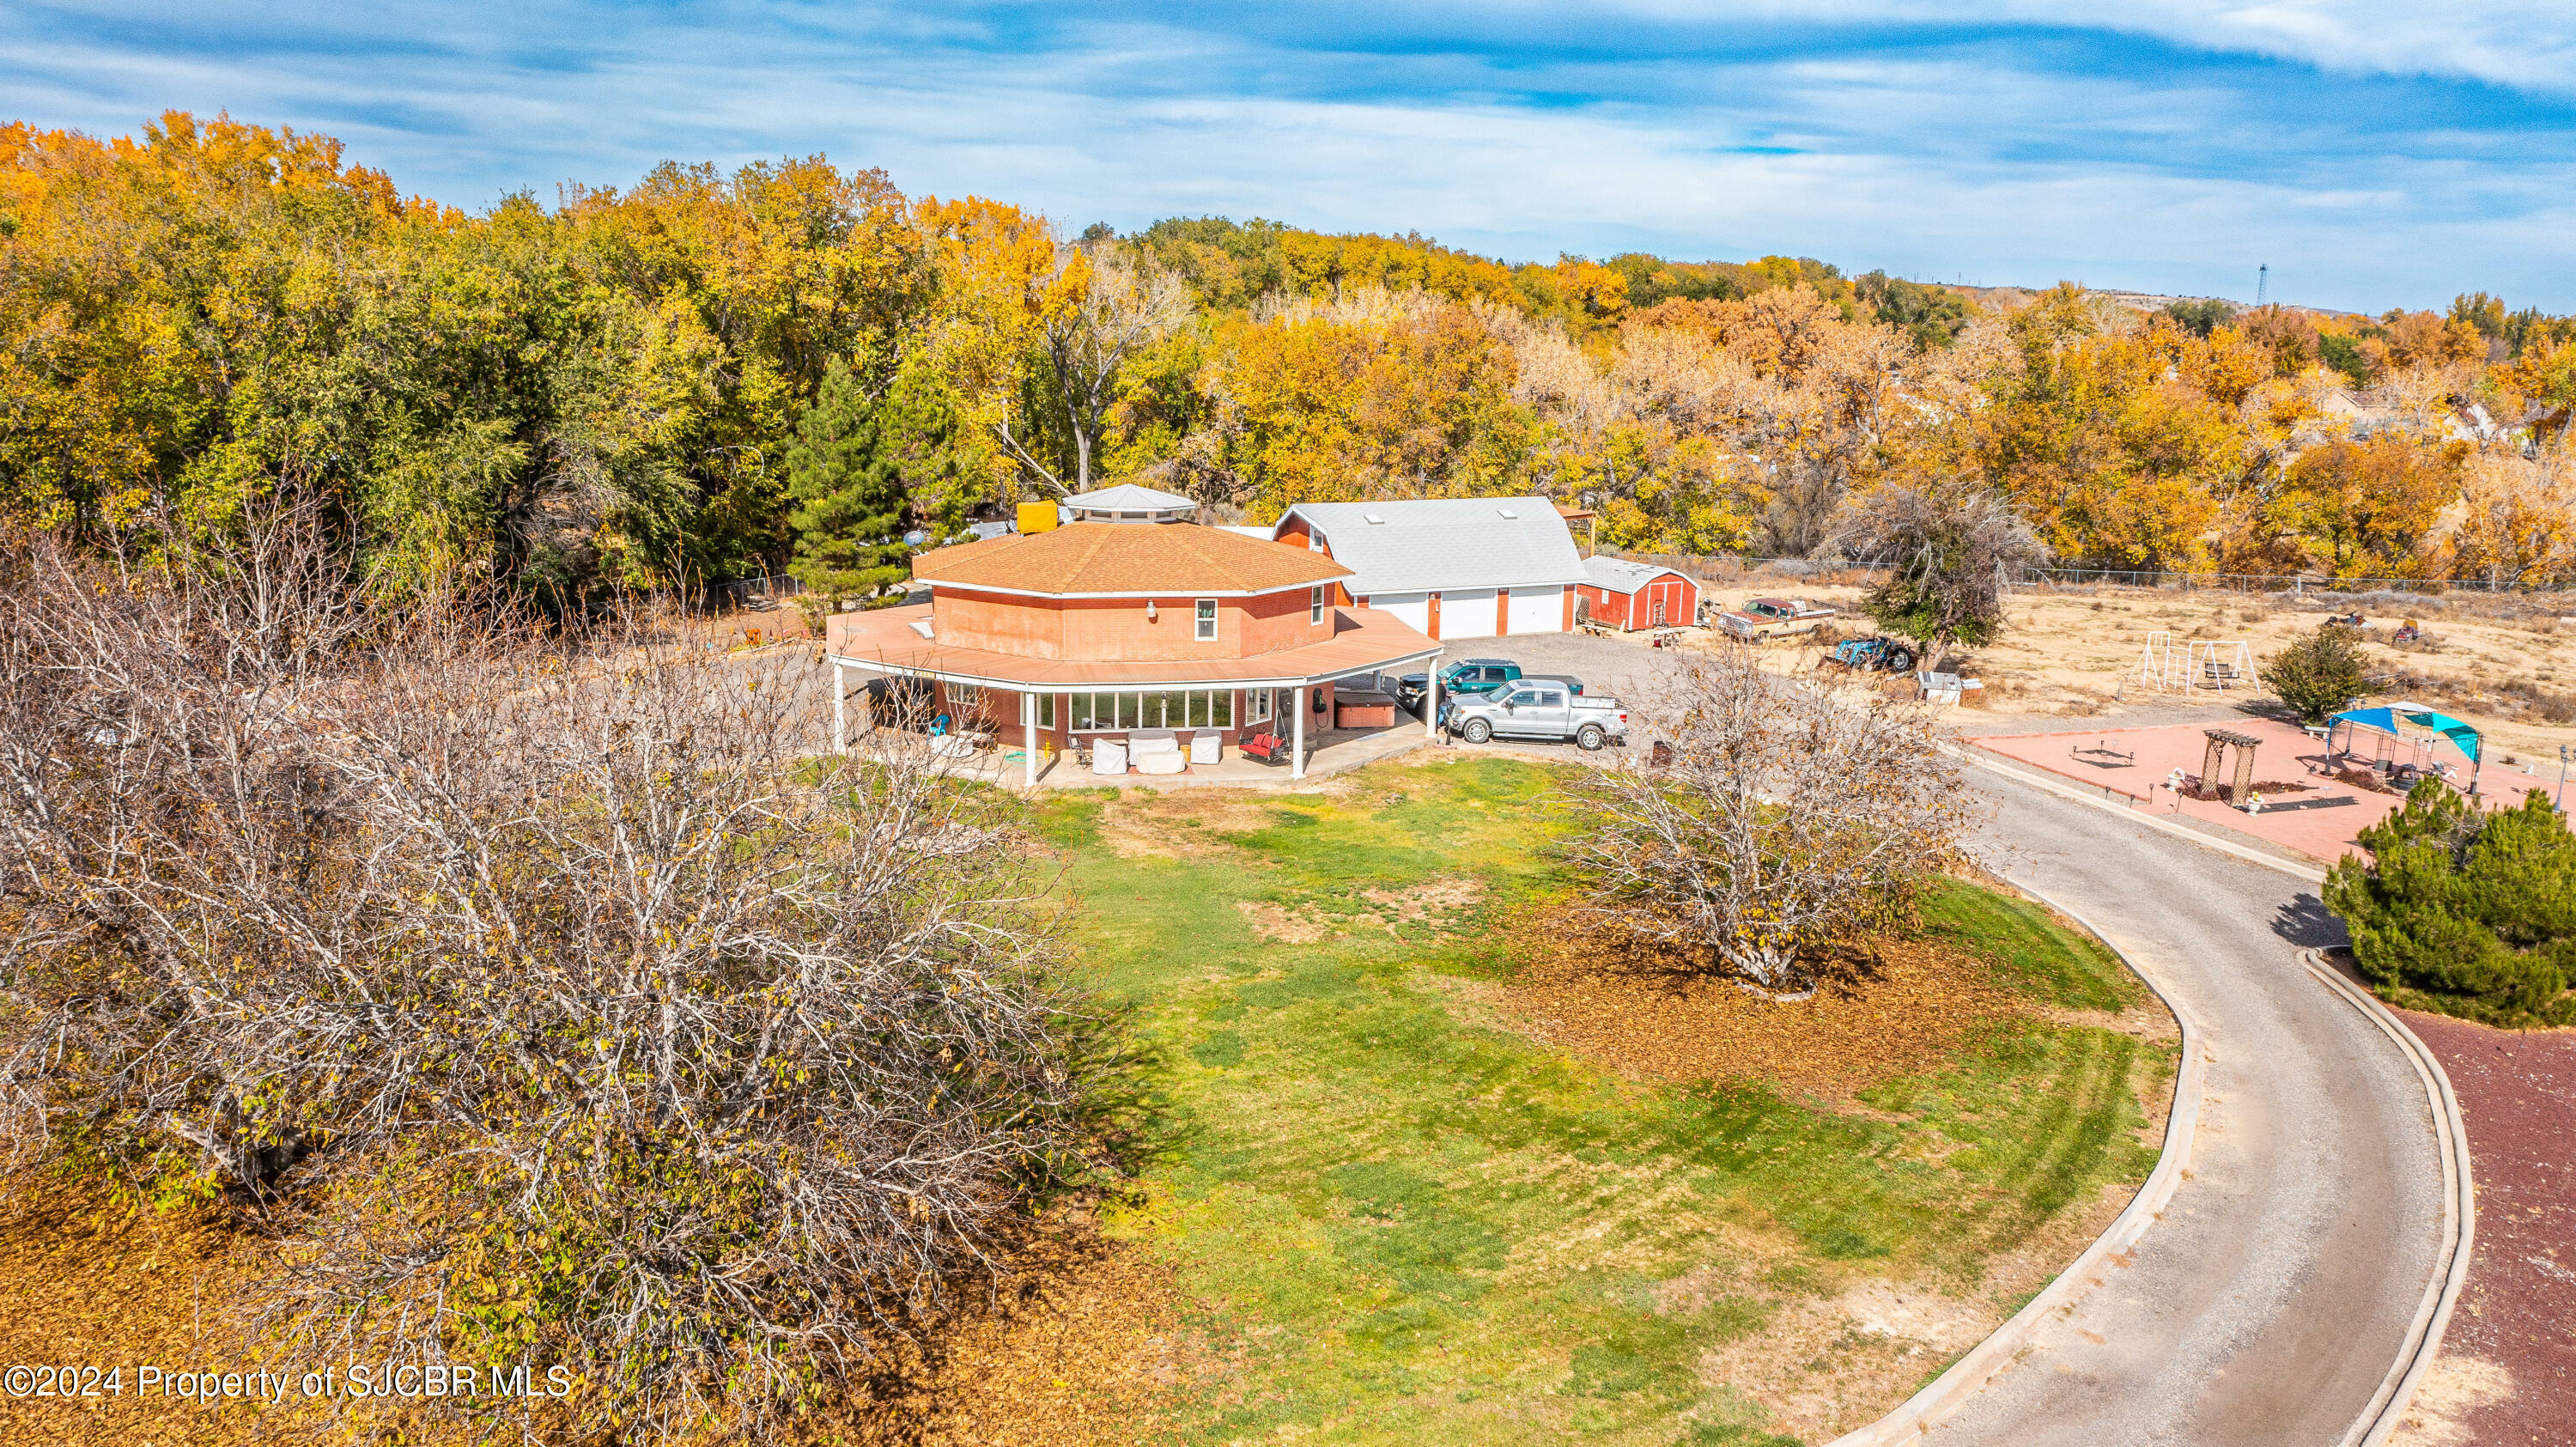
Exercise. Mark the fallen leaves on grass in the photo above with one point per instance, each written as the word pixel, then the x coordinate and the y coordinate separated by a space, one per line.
pixel 1079 1350
pixel 1903 1006
pixel 84 1281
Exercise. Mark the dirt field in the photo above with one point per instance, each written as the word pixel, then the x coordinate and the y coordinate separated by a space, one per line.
pixel 2505 664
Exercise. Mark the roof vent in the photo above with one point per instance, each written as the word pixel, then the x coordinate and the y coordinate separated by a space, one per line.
pixel 921 626
pixel 1507 512
pixel 1373 517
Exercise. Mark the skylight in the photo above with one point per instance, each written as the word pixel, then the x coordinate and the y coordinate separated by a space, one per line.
pixel 1373 517
pixel 1507 512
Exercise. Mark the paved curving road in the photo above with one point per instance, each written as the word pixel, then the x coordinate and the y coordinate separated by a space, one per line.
pixel 2273 1297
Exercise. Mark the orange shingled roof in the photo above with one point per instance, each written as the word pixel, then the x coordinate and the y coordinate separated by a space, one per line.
pixel 1126 559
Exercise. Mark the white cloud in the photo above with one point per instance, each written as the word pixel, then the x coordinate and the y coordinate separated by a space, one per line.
pixel 1941 160
pixel 2528 44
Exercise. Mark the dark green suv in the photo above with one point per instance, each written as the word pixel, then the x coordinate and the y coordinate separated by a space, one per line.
pixel 1469 676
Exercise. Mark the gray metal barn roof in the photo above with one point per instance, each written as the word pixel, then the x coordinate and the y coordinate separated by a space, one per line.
pixel 1618 575
pixel 1423 544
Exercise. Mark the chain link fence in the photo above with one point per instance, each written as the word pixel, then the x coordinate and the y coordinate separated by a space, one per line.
pixel 1728 569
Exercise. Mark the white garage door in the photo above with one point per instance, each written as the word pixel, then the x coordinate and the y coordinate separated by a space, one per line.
pixel 1413 608
pixel 1538 610
pixel 1467 613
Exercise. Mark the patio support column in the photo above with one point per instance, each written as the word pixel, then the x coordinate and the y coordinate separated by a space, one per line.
pixel 1029 716
pixel 840 685
pixel 1431 700
pixel 1297 745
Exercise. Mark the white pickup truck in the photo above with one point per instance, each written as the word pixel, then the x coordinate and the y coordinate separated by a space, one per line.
pixel 1536 709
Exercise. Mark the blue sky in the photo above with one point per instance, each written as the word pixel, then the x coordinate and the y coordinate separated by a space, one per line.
pixel 2374 153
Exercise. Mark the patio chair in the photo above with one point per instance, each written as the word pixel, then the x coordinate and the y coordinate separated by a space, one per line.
pixel 1108 756
pixel 1206 747
pixel 1268 748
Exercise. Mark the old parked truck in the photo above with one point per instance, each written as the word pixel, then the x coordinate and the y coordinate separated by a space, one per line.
pixel 1537 709
pixel 1772 618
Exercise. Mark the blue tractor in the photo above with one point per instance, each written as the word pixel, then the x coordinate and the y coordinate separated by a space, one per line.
pixel 1874 655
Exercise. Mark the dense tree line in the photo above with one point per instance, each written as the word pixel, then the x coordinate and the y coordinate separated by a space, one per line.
pixel 710 374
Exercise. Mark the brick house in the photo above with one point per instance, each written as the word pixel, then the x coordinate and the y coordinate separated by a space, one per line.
pixel 1099 628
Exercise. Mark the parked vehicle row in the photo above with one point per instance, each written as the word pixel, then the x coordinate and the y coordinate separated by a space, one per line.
pixel 1471 676
pixel 1537 708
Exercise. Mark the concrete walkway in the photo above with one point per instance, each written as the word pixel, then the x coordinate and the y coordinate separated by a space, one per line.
pixel 2270 1302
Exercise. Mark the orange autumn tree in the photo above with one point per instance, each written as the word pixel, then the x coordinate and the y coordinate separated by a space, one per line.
pixel 2103 438
pixel 2368 509
pixel 1378 396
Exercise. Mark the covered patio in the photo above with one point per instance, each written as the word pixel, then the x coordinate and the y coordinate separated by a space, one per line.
pixel 1186 718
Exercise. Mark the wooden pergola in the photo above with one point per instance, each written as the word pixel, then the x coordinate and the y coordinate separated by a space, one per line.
pixel 2220 741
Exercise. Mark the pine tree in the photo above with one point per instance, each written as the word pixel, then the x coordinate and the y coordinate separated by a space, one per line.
pixel 845 471
pixel 2319 675
pixel 2465 911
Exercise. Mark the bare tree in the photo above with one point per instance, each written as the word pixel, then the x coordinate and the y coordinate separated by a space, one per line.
pixel 1786 822
pixel 1104 303
pixel 1949 550
pixel 537 991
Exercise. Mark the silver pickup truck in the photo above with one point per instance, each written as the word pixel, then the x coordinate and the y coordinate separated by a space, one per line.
pixel 1536 709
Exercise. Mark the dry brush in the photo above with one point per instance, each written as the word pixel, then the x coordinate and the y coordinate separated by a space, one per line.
pixel 533 986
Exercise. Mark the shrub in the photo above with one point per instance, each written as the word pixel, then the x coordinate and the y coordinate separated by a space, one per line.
pixel 537 992
pixel 2319 675
pixel 2464 911
pixel 1785 823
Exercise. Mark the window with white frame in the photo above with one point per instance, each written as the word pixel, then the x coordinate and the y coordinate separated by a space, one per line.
pixel 1207 620
pixel 1046 710
pixel 1256 706
pixel 1180 708
pixel 1314 605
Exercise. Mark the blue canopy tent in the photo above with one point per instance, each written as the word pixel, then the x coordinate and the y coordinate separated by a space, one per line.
pixel 2393 719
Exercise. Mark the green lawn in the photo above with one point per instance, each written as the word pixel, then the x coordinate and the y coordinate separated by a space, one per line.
pixel 1408 1227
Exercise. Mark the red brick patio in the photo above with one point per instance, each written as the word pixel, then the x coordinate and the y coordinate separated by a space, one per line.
pixel 2319 821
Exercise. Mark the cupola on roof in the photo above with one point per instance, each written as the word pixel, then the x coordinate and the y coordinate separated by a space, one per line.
pixel 1102 560
pixel 1128 503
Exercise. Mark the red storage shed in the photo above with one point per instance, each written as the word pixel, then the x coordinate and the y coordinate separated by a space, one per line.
pixel 1629 596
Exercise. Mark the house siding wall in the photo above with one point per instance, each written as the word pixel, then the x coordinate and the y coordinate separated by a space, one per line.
pixel 1116 630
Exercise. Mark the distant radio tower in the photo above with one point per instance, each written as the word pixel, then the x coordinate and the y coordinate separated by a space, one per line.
pixel 2262 282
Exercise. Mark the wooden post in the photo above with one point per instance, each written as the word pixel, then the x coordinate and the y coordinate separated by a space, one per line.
pixel 2211 762
pixel 2244 785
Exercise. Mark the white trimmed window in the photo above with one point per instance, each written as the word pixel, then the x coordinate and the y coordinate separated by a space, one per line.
pixel 1046 710
pixel 1207 620
pixel 1191 708
pixel 1314 605
pixel 1256 706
